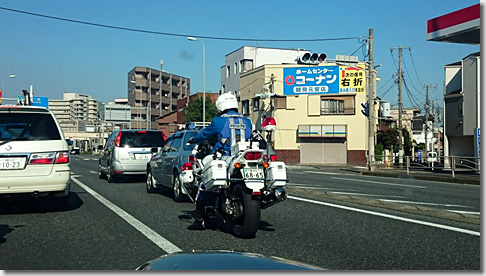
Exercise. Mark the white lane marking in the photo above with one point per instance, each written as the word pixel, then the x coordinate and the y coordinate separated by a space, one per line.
pixel 142 228
pixel 425 203
pixel 460 230
pixel 465 212
pixel 381 183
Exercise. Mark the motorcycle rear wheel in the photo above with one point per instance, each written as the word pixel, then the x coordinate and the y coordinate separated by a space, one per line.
pixel 246 224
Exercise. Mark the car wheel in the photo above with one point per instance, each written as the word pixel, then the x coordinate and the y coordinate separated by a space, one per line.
pixel 109 176
pixel 176 185
pixel 101 175
pixel 150 182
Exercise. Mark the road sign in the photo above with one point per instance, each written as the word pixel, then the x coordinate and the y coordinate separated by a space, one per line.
pixel 41 101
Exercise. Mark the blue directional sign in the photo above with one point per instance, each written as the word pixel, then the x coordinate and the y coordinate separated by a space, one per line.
pixel 41 101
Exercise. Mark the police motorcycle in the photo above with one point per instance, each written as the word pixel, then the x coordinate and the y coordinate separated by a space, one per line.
pixel 241 185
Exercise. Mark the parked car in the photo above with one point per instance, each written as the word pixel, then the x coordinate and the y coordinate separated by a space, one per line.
pixel 166 165
pixel 127 151
pixel 34 154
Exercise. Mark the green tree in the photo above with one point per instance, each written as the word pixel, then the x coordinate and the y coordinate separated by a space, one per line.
pixel 407 142
pixel 194 110
pixel 388 139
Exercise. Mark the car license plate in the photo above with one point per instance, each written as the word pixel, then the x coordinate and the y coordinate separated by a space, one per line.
pixel 253 173
pixel 143 156
pixel 13 163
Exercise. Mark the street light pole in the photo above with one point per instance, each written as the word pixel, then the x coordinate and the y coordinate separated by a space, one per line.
pixel 204 75
pixel 3 87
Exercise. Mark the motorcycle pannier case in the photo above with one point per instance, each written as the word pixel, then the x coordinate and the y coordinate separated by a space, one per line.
pixel 277 173
pixel 214 175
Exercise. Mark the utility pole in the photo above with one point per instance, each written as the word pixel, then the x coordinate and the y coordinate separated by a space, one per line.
pixel 427 119
pixel 371 104
pixel 400 76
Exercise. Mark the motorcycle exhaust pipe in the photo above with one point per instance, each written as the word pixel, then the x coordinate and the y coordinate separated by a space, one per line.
pixel 281 194
pixel 278 196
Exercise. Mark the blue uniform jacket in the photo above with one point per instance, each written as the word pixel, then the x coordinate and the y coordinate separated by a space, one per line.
pixel 215 129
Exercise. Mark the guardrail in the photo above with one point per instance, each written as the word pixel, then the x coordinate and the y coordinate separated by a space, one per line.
pixel 446 164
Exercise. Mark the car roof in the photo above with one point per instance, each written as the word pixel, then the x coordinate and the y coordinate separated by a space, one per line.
pixel 23 108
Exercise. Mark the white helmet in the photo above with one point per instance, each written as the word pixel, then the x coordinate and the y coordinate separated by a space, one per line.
pixel 226 101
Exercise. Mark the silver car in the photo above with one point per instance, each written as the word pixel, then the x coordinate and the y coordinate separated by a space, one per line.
pixel 127 151
pixel 167 165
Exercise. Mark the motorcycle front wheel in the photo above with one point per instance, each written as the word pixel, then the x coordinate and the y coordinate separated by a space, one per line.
pixel 247 219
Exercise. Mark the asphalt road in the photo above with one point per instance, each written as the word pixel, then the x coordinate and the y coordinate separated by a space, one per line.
pixel 118 226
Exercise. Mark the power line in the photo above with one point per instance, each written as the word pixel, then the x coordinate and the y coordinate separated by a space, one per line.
pixel 172 34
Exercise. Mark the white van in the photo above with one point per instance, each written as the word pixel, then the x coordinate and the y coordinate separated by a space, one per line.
pixel 34 155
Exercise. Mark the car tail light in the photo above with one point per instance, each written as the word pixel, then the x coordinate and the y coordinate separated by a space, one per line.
pixel 253 155
pixel 163 135
pixel 62 157
pixel 42 158
pixel 186 167
pixel 142 131
pixel 118 138
pixel 192 160
pixel 273 157
pixel 237 165
pixel 266 165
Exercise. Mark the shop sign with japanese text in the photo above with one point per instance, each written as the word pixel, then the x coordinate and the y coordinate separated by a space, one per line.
pixel 323 80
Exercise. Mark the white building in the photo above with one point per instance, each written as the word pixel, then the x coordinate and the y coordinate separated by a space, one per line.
pixel 247 58
pixel 75 111
pixel 462 106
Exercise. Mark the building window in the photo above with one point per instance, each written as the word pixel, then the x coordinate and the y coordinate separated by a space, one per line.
pixel 343 105
pixel 227 71
pixel 235 70
pixel 246 107
pixel 256 104
pixel 246 65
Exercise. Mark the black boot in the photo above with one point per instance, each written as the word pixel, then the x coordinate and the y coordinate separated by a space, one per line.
pixel 198 224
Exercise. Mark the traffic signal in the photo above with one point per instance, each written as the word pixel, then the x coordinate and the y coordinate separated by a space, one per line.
pixel 313 58
pixel 365 110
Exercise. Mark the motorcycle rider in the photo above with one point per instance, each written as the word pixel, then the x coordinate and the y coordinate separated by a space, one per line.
pixel 223 129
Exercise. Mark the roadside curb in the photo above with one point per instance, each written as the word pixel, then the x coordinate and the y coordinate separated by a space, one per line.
pixel 457 179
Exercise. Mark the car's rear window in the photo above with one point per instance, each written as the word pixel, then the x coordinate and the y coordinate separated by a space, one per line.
pixel 28 126
pixel 142 139
pixel 189 135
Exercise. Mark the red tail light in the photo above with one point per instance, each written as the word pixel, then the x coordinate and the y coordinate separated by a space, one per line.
pixel 62 157
pixel 186 167
pixel 163 135
pixel 118 138
pixel 192 160
pixel 142 131
pixel 253 155
pixel 42 158
pixel 273 157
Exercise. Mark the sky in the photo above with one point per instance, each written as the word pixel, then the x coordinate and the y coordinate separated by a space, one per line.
pixel 56 56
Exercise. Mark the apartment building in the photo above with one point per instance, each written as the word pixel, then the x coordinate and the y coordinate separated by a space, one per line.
pixel 75 111
pixel 152 94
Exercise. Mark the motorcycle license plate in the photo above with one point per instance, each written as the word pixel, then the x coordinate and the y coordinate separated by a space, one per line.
pixel 253 173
